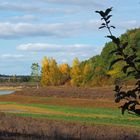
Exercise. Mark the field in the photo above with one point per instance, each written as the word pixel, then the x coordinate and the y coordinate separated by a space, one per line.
pixel 74 113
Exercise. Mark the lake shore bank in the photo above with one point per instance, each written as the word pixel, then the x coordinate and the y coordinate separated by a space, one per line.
pixel 18 88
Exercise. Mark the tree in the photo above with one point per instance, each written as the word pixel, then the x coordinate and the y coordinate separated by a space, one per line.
pixel 87 73
pixel 45 70
pixel 35 73
pixel 65 71
pixel 131 67
pixel 51 75
pixel 55 74
pixel 76 73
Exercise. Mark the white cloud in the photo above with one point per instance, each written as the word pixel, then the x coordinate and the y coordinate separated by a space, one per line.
pixel 52 47
pixel 83 3
pixel 11 30
pixel 18 7
pixel 14 30
pixel 58 30
pixel 62 51
pixel 12 56
pixel 128 24
pixel 35 8
pixel 24 18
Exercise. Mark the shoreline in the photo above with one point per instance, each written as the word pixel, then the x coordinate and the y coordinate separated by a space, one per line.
pixel 18 88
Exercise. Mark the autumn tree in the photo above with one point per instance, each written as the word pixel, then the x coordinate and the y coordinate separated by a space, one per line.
pixel 65 72
pixel 45 71
pixel 87 73
pixel 51 75
pixel 76 73
pixel 54 74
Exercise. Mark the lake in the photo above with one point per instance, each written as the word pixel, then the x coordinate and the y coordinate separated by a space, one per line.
pixel 3 92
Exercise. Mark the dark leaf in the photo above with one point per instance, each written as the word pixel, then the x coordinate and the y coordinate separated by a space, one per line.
pixel 138 83
pixel 127 105
pixel 124 69
pixel 108 11
pixel 117 100
pixel 112 52
pixel 108 17
pixel 124 108
pixel 118 53
pixel 114 39
pixel 137 76
pixel 115 61
pixel 108 22
pixel 134 49
pixel 131 93
pixel 103 18
pixel 124 45
pixel 102 27
pixel 121 94
pixel 131 73
pixel 112 26
pixel 137 60
pixel 97 11
pixel 101 13
pixel 103 24
pixel 117 88
pixel 131 57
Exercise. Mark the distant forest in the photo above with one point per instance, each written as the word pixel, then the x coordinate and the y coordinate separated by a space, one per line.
pixel 92 72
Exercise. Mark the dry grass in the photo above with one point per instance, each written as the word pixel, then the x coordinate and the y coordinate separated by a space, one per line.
pixel 74 102
pixel 65 103
pixel 17 88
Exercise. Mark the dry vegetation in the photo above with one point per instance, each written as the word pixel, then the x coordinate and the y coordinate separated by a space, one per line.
pixel 23 128
pixel 69 92
pixel 42 128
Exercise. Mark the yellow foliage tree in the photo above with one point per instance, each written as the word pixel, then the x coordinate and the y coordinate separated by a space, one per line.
pixel 65 71
pixel 76 73
pixel 51 74
pixel 87 73
pixel 45 70
pixel 55 74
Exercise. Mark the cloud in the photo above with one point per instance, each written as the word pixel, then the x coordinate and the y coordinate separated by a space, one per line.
pixel 18 7
pixel 65 51
pixel 58 30
pixel 82 3
pixel 33 47
pixel 127 24
pixel 15 30
pixel 24 18
pixel 11 30
pixel 34 8
pixel 12 56
pixel 61 52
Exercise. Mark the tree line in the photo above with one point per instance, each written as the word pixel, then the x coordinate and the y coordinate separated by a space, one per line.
pixel 94 71
pixel 54 74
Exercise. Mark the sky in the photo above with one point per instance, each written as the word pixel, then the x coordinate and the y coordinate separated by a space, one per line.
pixel 62 29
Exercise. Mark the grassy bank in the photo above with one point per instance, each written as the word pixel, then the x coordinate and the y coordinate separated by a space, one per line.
pixel 102 115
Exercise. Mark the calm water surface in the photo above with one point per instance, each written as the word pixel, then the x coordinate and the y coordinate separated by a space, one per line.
pixel 3 92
